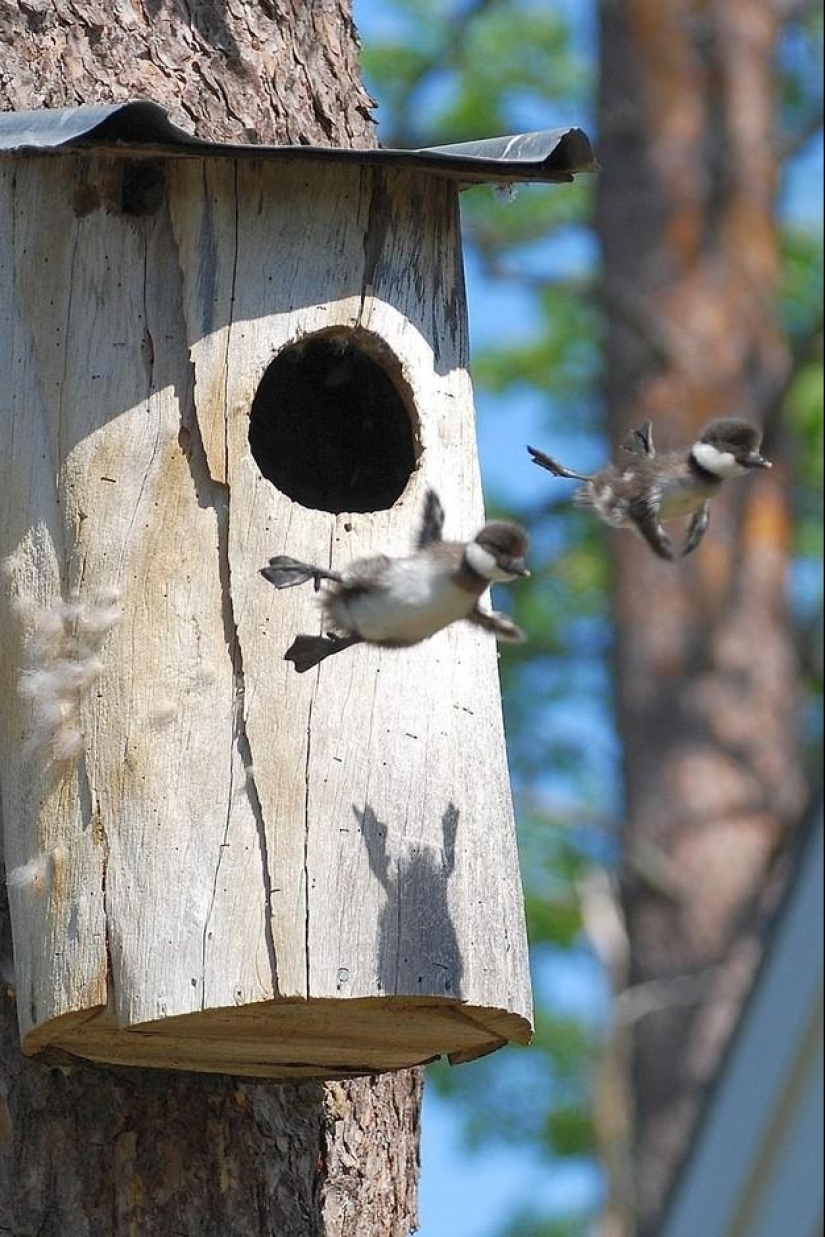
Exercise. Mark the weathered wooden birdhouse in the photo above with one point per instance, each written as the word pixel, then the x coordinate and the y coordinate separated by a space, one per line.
pixel 211 355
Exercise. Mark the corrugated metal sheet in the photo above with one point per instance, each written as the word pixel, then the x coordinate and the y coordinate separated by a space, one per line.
pixel 144 128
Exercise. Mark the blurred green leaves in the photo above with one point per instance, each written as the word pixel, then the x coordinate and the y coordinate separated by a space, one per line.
pixel 470 70
pixel 800 79
pixel 802 272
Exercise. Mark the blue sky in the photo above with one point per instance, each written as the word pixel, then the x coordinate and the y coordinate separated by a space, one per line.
pixel 472 1194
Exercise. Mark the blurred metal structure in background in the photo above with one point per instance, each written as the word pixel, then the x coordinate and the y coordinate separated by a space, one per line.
pixel 755 1169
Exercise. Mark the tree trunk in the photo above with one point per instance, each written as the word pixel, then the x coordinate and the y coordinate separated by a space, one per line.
pixel 262 71
pixel 705 663
pixel 97 1151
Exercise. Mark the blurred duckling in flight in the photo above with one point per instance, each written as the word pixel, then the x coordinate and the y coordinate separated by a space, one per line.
pixel 652 489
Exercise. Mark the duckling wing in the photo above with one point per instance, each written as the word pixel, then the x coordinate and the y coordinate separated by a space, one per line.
pixel 640 441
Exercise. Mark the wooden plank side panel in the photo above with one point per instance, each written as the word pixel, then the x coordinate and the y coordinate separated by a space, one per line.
pixel 409 801
pixel 210 943
pixel 165 794
pixel 203 207
pixel 299 271
pixel 410 805
pixel 54 864
pixel 294 246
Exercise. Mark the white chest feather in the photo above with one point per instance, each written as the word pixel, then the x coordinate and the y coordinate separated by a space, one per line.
pixel 681 496
pixel 417 598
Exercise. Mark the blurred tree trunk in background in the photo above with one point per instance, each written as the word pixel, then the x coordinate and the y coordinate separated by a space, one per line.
pixel 705 661
pixel 104 1152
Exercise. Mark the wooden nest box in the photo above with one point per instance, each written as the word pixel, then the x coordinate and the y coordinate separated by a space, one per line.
pixel 212 355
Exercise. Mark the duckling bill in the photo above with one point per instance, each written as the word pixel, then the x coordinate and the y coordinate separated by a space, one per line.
pixel 653 489
pixel 398 602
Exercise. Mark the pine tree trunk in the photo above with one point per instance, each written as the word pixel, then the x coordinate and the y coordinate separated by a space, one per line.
pixel 260 71
pixel 705 661
pixel 106 1152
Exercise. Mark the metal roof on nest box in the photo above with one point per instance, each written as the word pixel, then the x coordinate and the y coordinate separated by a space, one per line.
pixel 144 128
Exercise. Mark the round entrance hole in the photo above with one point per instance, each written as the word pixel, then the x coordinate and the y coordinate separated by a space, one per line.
pixel 329 427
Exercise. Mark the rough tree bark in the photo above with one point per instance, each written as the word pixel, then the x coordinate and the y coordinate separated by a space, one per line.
pixel 261 71
pixel 704 656
pixel 95 1151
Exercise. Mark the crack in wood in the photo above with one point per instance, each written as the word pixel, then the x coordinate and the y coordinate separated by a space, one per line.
pixel 216 494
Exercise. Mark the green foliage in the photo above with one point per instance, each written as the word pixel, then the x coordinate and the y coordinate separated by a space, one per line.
pixel 551 1080
pixel 800 79
pixel 470 70
pixel 560 355
pixel 570 1129
pixel 803 414
pixel 801 303
pixel 553 865
pixel 532 213
pixel 802 316
pixel 526 1225
pixel 803 420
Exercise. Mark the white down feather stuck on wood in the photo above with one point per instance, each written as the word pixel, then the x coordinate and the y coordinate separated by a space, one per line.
pixel 215 863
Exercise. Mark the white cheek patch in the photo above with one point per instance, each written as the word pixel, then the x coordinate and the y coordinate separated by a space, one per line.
pixel 483 562
pixel 720 463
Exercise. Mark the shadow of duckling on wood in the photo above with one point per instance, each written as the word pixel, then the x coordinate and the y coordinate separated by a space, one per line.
pixel 398 602
pixel 653 489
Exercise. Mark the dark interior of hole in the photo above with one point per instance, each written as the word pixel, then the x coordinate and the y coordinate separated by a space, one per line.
pixel 143 187
pixel 330 430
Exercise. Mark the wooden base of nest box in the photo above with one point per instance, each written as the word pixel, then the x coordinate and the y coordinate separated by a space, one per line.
pixel 290 1039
